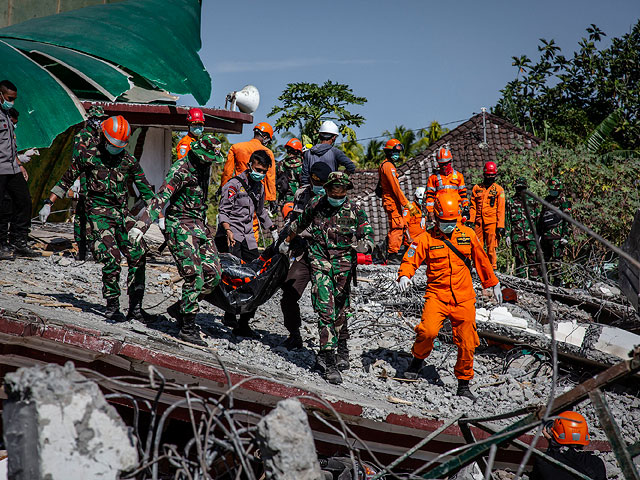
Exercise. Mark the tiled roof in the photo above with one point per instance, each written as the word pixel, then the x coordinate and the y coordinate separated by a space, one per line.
pixel 466 142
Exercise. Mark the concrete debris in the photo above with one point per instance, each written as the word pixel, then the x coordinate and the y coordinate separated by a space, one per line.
pixel 58 425
pixel 286 443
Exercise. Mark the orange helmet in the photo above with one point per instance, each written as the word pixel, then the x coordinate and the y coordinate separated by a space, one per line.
pixel 287 208
pixel 446 206
pixel 264 127
pixel 394 144
pixel 117 131
pixel 490 168
pixel 295 144
pixel 195 116
pixel 570 429
pixel 444 155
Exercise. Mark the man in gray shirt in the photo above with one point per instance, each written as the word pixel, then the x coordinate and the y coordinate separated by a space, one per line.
pixel 325 152
pixel 13 176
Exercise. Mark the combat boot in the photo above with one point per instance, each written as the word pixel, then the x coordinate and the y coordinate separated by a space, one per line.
pixel 112 311
pixel 413 371
pixel 331 374
pixel 342 360
pixel 464 390
pixel 22 249
pixel 174 312
pixel 6 253
pixel 137 313
pixel 294 341
pixel 189 331
pixel 243 329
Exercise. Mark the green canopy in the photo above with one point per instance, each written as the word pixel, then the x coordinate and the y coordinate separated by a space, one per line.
pixel 156 40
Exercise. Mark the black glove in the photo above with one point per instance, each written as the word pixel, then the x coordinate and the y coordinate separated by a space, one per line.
pixel 499 233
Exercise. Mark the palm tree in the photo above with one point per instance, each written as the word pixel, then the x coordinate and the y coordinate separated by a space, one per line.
pixel 373 155
pixel 353 150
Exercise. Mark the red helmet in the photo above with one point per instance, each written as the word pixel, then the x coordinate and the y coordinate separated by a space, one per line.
pixel 195 116
pixel 295 144
pixel 264 127
pixel 570 429
pixel 447 206
pixel 444 155
pixel 490 168
pixel 117 131
pixel 394 144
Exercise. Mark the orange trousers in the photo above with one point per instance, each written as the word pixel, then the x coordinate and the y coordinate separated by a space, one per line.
pixel 486 233
pixel 463 323
pixel 397 226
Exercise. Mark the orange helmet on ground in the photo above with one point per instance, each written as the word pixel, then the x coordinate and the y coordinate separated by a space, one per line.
pixel 570 429
pixel 490 168
pixel 447 206
pixel 287 208
pixel 394 144
pixel 444 155
pixel 117 131
pixel 295 144
pixel 264 127
pixel 195 116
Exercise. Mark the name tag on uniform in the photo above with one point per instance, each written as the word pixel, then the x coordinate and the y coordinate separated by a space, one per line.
pixel 436 247
pixel 463 240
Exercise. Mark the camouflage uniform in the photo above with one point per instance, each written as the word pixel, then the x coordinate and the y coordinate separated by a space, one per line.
pixel 553 230
pixel 523 242
pixel 334 231
pixel 108 178
pixel 289 177
pixel 186 230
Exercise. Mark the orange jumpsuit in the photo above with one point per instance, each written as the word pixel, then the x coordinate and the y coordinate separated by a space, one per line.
pixel 438 182
pixel 184 145
pixel 238 161
pixel 392 200
pixel 487 213
pixel 449 292
pixel 414 223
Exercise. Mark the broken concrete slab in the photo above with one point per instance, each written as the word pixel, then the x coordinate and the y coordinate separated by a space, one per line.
pixel 58 425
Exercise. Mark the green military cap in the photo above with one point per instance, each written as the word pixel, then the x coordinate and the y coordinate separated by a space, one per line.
pixel 96 111
pixel 521 182
pixel 340 179
pixel 207 149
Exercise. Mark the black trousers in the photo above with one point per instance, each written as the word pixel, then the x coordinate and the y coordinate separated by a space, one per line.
pixel 16 187
pixel 6 212
pixel 293 287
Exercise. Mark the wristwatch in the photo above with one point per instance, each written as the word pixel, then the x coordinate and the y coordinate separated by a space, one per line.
pixel 48 202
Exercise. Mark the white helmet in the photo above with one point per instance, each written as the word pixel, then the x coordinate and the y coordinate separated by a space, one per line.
pixel 329 127
pixel 420 193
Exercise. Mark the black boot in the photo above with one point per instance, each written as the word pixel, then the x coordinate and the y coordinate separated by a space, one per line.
pixel 174 312
pixel 464 391
pixel 394 258
pixel 413 371
pixel 190 332
pixel 294 341
pixel 321 364
pixel 342 360
pixel 331 374
pixel 113 310
pixel 22 249
pixel 229 320
pixel 6 253
pixel 243 329
pixel 137 313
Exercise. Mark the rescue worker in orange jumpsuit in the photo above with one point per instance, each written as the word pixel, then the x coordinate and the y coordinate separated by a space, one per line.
pixel 415 223
pixel 394 200
pixel 447 250
pixel 240 153
pixel 447 179
pixel 195 119
pixel 487 211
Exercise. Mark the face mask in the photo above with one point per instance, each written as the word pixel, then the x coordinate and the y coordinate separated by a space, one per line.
pixel 395 157
pixel 336 202
pixel 256 176
pixel 447 227
pixel 318 190
pixel 196 130
pixel 6 105
pixel 112 149
pixel 489 180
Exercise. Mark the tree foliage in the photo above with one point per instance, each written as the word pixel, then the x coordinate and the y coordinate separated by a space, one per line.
pixel 304 106
pixel 565 98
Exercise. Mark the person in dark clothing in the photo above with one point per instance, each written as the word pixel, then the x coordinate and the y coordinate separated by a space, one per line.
pixel 325 152
pixel 568 435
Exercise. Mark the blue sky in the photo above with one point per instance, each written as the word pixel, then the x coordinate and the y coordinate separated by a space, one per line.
pixel 415 61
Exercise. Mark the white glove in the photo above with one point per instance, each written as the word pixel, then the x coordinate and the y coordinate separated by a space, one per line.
pixel 284 248
pixel 44 213
pixel 135 235
pixel 564 241
pixel 497 292
pixel 508 241
pixel 423 223
pixel 75 188
pixel 161 223
pixel 403 283
pixel 26 156
pixel 274 235
pixel 363 246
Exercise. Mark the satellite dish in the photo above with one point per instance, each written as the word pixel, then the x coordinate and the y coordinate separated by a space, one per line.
pixel 247 99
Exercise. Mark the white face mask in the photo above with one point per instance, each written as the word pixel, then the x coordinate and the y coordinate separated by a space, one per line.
pixel 447 227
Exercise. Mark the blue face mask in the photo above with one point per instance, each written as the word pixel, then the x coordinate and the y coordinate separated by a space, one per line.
pixel 257 176
pixel 318 190
pixel 395 156
pixel 112 149
pixel 6 105
pixel 336 202
pixel 447 227
pixel 196 130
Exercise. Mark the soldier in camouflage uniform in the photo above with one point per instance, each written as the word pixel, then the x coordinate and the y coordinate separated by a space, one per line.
pixel 186 231
pixel 109 171
pixel 289 172
pixel 553 230
pixel 520 232
pixel 338 229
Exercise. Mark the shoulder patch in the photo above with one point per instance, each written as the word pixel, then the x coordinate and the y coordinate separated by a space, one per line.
pixel 411 252
pixel 232 192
